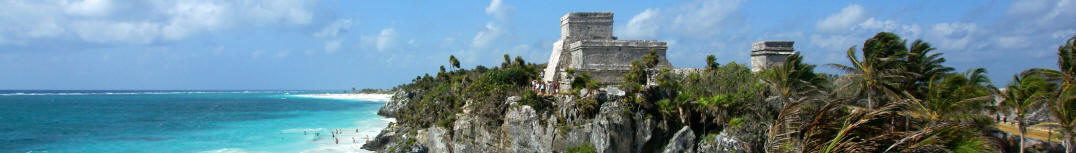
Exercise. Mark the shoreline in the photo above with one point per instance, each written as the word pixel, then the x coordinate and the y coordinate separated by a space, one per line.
pixel 356 96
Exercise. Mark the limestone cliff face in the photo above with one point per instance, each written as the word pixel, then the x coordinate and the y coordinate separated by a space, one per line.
pixel 614 128
pixel 399 100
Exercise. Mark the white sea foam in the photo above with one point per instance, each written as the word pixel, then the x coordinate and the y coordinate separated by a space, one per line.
pixel 297 130
pixel 362 97
pixel 228 150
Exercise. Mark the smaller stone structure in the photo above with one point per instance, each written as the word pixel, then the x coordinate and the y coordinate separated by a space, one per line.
pixel 769 53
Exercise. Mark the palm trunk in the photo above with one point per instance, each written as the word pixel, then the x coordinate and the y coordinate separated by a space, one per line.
pixel 1068 141
pixel 870 100
pixel 1023 131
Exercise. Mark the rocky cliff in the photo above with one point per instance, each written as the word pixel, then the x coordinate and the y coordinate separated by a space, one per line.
pixel 615 127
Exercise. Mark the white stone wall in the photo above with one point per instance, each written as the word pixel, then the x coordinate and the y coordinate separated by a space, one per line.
pixel 608 60
pixel 770 53
pixel 587 44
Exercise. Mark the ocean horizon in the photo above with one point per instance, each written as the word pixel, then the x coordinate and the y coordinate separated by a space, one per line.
pixel 184 121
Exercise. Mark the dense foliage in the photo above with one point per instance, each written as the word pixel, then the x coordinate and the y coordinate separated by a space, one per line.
pixel 892 97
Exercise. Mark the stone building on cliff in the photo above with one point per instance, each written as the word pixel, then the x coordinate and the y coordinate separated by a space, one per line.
pixel 769 53
pixel 587 45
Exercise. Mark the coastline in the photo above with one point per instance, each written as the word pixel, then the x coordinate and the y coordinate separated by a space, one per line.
pixel 357 96
pixel 367 129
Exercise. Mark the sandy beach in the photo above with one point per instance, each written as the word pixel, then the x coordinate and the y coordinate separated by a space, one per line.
pixel 358 96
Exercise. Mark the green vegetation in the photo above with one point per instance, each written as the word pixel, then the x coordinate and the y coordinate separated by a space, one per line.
pixel 436 100
pixel 585 148
pixel 894 96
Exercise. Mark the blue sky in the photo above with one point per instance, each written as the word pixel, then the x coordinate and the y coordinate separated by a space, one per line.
pixel 279 44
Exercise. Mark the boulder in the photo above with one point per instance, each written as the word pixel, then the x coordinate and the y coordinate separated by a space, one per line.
pixel 523 130
pixel 723 142
pixel 436 140
pixel 399 100
pixel 612 129
pixel 683 141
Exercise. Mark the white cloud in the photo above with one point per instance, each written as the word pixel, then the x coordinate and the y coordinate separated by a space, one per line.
pixel 387 39
pixel 257 54
pixel 499 10
pixel 641 26
pixel 45 29
pixel 190 17
pixel 703 20
pixel 218 51
pixel 279 11
pixel 953 36
pixel 332 46
pixel 281 54
pixel 89 7
pixel 495 29
pixel 334 29
pixel 1063 34
pixel 1012 42
pixel 124 32
pixel 486 37
pixel 848 17
pixel 106 21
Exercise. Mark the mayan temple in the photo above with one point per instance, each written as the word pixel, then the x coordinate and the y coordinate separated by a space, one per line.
pixel 769 53
pixel 587 45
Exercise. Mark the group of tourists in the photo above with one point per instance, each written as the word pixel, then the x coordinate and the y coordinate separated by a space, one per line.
pixel 337 132
pixel 545 88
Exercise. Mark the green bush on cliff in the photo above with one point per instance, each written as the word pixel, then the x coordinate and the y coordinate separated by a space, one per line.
pixel 585 148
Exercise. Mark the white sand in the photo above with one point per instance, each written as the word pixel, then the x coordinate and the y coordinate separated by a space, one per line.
pixel 360 96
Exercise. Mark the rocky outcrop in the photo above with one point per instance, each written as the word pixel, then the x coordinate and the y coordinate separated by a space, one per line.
pixel 682 142
pixel 394 138
pixel 524 133
pixel 436 140
pixel 722 142
pixel 615 127
pixel 612 129
pixel 399 100
pixel 474 134
pixel 384 139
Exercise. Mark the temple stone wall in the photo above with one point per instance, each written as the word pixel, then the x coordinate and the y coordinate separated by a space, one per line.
pixel 769 53
pixel 608 60
pixel 587 45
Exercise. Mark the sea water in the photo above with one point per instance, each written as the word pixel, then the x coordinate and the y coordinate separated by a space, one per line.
pixel 183 121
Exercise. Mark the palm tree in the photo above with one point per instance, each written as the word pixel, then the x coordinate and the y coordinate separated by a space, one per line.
pixel 868 76
pixel 1027 91
pixel 875 72
pixel 453 61
pixel 955 95
pixel 1063 109
pixel 920 68
pixel 711 62
pixel 791 83
pixel 949 110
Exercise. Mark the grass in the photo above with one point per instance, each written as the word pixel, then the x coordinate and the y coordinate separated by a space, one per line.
pixel 1031 132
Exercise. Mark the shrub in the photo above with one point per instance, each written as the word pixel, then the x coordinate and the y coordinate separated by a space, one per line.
pixel 585 148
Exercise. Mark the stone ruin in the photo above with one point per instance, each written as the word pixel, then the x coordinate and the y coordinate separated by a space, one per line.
pixel 587 45
pixel 769 53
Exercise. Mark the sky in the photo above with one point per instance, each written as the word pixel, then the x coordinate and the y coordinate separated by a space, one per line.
pixel 336 45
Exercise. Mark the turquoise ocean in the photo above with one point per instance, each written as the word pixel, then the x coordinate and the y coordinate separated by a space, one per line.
pixel 183 121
